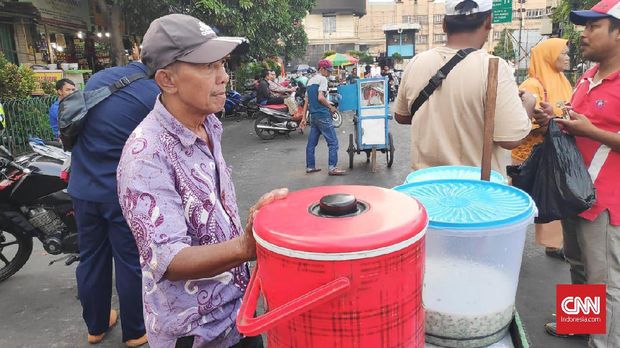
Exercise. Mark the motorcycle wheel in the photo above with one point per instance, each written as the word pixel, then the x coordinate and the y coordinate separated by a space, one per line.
pixel 19 249
pixel 337 119
pixel 265 134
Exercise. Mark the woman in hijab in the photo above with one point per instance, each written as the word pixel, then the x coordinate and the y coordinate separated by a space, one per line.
pixel 547 82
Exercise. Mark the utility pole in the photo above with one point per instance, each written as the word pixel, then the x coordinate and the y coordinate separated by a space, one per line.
pixel 521 2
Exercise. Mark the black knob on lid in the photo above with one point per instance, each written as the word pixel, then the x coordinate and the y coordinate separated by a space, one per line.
pixel 338 204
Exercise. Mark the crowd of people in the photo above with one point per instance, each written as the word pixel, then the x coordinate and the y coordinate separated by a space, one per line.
pixel 155 202
pixel 590 242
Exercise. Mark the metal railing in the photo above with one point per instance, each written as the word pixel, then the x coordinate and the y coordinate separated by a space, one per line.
pixel 25 118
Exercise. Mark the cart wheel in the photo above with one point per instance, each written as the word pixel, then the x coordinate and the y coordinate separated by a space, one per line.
pixel 367 156
pixel 390 153
pixel 351 150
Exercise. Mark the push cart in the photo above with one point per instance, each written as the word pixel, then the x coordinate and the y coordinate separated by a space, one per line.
pixel 371 133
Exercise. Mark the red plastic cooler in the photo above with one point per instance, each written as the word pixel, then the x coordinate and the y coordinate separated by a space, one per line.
pixel 338 266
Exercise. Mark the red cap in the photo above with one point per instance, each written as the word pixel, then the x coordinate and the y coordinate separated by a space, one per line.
pixel 324 63
pixel 605 8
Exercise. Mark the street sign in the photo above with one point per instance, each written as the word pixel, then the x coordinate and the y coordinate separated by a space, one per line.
pixel 502 11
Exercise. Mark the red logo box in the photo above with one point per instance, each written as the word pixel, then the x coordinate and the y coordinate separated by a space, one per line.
pixel 580 309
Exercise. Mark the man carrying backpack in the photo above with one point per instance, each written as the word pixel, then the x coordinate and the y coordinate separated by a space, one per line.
pixel 103 233
pixel 447 129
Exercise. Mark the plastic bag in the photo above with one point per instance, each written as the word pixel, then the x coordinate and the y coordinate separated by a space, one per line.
pixel 556 177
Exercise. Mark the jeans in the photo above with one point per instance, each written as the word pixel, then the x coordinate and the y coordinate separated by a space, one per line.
pixel 322 125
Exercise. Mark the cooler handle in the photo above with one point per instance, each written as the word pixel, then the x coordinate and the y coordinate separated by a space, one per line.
pixel 249 325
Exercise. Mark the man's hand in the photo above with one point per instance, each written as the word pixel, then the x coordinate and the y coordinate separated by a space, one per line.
pixel 303 123
pixel 578 125
pixel 332 109
pixel 543 115
pixel 247 242
pixel 529 102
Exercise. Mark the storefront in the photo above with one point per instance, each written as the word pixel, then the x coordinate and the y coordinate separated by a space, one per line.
pixel 16 20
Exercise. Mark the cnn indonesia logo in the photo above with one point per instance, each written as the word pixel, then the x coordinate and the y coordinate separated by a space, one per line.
pixel 580 309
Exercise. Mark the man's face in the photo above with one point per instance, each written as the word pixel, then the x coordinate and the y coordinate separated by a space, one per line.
pixel 272 75
pixel 324 72
pixel 66 89
pixel 201 87
pixel 597 42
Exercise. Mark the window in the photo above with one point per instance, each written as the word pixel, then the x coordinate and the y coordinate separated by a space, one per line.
pixel 439 38
pixel 329 24
pixel 407 19
pixel 421 39
pixel 438 19
pixel 421 19
pixel 534 13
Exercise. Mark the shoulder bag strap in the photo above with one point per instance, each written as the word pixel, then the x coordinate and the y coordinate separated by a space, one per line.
pixel 125 81
pixel 438 78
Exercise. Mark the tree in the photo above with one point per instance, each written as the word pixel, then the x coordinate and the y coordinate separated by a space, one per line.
pixel 273 27
pixel 328 53
pixel 366 58
pixel 504 48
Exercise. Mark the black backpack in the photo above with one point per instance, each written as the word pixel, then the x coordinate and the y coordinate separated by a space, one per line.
pixel 73 109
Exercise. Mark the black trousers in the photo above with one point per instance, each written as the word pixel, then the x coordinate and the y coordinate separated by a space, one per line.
pixel 247 342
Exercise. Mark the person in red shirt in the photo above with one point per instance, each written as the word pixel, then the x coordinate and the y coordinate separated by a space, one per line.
pixel 592 239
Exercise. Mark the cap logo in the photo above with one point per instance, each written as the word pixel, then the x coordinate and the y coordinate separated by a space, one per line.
pixel 205 30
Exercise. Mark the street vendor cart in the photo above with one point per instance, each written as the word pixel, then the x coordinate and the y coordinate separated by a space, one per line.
pixel 371 132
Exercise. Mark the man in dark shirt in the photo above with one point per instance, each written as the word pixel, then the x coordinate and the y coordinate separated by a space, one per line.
pixel 103 232
pixel 385 71
pixel 263 94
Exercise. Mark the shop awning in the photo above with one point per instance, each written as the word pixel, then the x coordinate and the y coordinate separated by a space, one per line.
pixel 13 11
pixel 72 15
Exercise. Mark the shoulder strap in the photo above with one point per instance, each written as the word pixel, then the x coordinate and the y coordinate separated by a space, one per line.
pixel 438 78
pixel 125 81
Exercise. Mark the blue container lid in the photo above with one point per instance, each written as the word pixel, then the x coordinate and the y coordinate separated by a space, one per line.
pixel 451 172
pixel 470 204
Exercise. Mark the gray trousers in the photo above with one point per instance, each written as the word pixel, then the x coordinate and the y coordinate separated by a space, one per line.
pixel 593 250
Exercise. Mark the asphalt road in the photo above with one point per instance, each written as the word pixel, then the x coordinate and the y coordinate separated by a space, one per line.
pixel 39 306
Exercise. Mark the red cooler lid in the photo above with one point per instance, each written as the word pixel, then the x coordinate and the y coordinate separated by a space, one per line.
pixel 340 222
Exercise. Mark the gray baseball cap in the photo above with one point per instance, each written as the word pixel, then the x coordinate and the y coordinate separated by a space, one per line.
pixel 179 37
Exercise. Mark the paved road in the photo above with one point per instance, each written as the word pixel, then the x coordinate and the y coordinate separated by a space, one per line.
pixel 38 304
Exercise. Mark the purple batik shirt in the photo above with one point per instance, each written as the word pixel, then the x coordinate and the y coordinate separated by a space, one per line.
pixel 175 193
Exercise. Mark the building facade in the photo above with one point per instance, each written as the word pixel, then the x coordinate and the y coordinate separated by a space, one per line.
pixel 346 30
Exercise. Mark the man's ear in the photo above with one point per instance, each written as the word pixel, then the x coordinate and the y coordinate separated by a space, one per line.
pixel 165 79
pixel 488 25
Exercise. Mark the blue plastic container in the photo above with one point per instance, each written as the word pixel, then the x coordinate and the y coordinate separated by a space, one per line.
pixel 474 247
pixel 451 172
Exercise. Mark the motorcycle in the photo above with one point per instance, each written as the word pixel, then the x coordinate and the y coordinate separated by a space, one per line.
pixel 34 204
pixel 273 120
pixel 237 103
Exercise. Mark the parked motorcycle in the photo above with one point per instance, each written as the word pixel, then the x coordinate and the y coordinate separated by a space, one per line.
pixel 34 204
pixel 237 103
pixel 272 120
